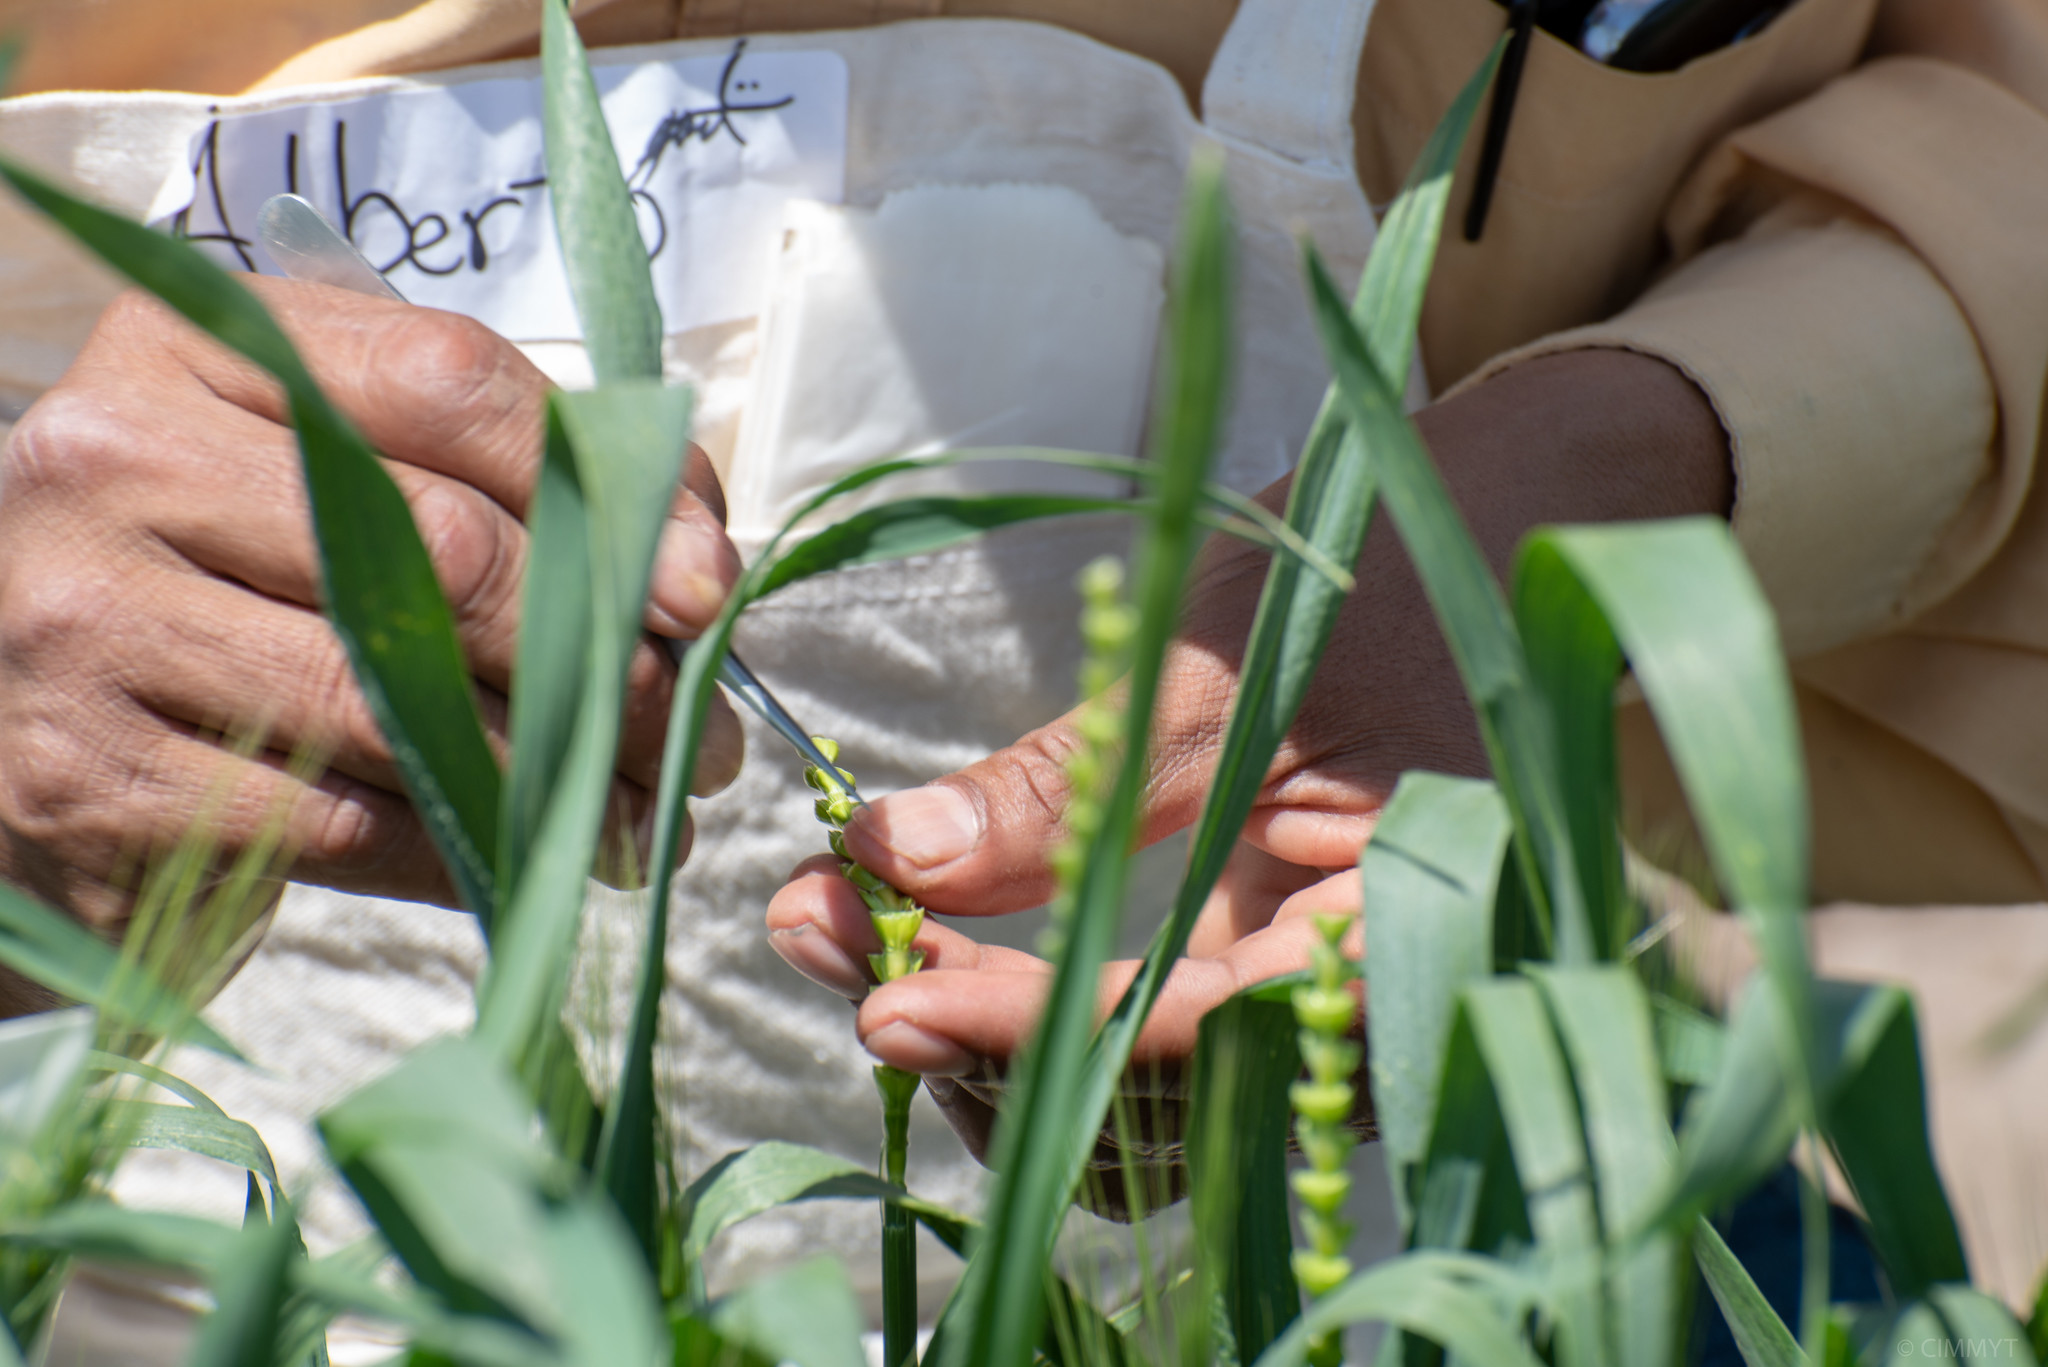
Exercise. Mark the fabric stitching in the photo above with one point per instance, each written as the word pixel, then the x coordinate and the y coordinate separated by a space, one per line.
pixel 1258 118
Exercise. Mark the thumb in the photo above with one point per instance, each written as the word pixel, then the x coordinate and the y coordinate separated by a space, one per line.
pixel 979 842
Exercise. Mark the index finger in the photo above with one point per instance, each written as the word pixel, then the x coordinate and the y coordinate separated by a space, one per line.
pixel 444 393
pixel 431 388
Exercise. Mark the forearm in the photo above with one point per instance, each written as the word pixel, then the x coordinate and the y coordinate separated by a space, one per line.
pixel 1597 435
pixel 1582 436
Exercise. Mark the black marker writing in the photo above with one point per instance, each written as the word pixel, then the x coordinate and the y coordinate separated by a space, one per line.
pixel 206 171
pixel 447 239
pixel 473 219
pixel 704 125
pixel 682 126
pixel 421 234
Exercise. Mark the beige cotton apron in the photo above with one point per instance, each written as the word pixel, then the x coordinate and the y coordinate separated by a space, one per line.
pixel 918 667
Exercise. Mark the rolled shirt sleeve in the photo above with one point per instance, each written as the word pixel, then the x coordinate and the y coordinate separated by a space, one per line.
pixel 1846 478
pixel 1863 295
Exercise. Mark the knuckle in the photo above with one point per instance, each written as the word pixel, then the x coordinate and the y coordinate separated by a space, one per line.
pixel 1189 732
pixel 69 787
pixel 68 441
pixel 724 753
pixel 644 722
pixel 466 539
pixel 364 831
pixel 700 478
pixel 135 316
pixel 1037 766
pixel 453 374
pixel 69 762
pixel 46 611
pixel 650 676
pixel 438 348
pixel 45 766
pixel 339 701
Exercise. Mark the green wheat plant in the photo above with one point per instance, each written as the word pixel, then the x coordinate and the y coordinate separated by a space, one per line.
pixel 1558 1130
pixel 1108 626
pixel 897 919
pixel 1322 1106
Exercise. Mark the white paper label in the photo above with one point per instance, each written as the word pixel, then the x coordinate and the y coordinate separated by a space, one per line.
pixel 445 189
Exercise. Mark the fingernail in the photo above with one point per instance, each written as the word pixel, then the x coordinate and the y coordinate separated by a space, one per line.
pixel 927 826
pixel 917 1050
pixel 689 583
pixel 818 957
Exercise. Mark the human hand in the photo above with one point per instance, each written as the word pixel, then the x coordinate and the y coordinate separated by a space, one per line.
pixel 820 924
pixel 158 587
pixel 1581 436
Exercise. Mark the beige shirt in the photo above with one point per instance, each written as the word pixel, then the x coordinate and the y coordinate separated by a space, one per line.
pixel 1835 228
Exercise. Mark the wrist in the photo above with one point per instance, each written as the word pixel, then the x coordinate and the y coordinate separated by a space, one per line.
pixel 1594 435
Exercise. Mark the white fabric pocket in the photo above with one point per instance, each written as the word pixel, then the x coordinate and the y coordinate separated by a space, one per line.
pixel 949 316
